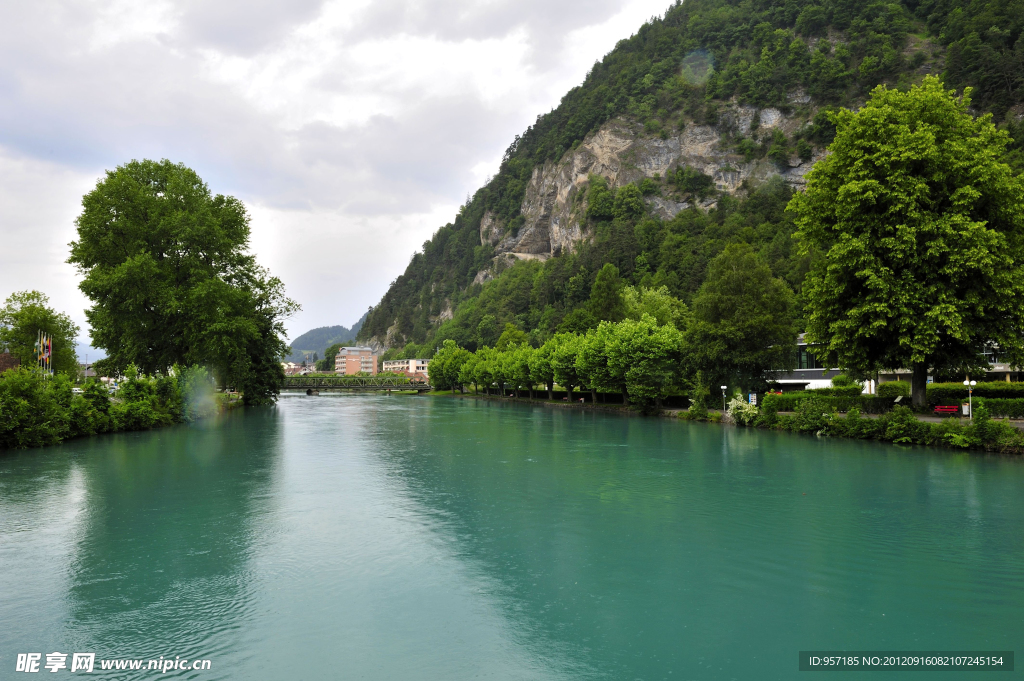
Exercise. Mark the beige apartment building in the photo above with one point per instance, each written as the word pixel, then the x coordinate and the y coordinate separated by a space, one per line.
pixel 407 366
pixel 351 361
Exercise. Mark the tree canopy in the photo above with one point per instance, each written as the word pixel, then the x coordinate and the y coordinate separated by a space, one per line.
pixel 23 316
pixel 922 226
pixel 167 268
pixel 742 330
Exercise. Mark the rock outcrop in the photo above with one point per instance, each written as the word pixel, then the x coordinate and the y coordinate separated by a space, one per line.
pixel 622 153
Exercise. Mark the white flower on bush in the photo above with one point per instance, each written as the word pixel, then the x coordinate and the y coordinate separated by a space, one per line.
pixel 742 412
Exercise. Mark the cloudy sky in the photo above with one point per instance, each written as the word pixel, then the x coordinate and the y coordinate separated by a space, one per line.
pixel 352 130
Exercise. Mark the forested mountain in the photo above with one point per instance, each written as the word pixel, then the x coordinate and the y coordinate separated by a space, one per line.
pixel 316 340
pixel 690 135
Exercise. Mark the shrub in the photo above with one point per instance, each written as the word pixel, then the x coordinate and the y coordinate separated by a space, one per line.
pixel 696 412
pixel 1009 408
pixel 814 415
pixel 769 416
pixel 893 389
pixel 38 410
pixel 30 416
pixel 742 412
pixel 902 427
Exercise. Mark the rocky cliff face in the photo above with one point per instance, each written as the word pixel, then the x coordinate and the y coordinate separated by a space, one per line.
pixel 622 153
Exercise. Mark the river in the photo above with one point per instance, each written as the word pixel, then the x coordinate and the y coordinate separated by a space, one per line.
pixel 433 538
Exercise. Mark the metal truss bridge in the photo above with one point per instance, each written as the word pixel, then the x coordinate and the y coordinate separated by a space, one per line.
pixel 314 384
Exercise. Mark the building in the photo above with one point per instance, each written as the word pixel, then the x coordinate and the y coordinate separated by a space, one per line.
pixel 8 361
pixel 352 360
pixel 409 367
pixel 810 373
pixel 292 369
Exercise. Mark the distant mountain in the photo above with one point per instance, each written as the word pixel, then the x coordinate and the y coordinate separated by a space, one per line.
pixel 87 353
pixel 317 340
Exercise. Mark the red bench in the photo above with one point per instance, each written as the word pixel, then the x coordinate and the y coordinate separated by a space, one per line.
pixel 944 409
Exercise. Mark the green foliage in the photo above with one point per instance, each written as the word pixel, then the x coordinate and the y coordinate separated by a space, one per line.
pixel 330 354
pixel 564 356
pixel 742 322
pixel 166 266
pixel 23 316
pixel 692 181
pixel 923 230
pixel 38 410
pixel 957 392
pixel 1008 408
pixel 742 412
pixel 446 366
pixel 31 413
pixel 606 295
pixel 656 302
pixel 893 389
pixel 682 69
pixel 646 356
pixel 510 337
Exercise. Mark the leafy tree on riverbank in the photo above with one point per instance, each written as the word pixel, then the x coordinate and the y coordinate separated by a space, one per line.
pixel 743 329
pixel 923 230
pixel 167 267
pixel 23 316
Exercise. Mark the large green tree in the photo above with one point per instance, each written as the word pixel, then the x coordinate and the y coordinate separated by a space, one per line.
pixel 645 357
pixel 923 232
pixel 445 367
pixel 167 267
pixel 742 330
pixel 23 316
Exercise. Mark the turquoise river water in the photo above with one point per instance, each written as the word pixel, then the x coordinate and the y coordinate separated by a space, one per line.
pixel 431 538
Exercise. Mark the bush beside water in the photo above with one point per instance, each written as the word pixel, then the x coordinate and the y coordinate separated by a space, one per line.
pixel 38 410
pixel 818 415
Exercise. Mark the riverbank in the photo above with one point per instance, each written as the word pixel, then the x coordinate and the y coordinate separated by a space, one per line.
pixel 899 426
pixel 37 410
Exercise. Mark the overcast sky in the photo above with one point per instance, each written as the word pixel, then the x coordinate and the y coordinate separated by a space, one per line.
pixel 352 130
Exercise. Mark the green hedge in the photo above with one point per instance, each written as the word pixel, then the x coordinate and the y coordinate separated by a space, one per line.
pixel 839 391
pixel 1002 408
pixel 893 389
pixel 868 404
pixel 952 393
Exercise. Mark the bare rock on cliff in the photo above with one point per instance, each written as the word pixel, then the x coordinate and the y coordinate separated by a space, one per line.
pixel 554 214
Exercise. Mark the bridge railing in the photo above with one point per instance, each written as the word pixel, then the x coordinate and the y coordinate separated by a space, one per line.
pixel 364 382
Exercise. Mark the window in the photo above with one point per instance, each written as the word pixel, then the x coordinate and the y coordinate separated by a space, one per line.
pixel 807 360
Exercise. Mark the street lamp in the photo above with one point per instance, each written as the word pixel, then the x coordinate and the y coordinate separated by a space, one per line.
pixel 723 397
pixel 970 391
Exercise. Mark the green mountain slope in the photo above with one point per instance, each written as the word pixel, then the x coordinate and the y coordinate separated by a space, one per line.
pixel 318 339
pixel 746 84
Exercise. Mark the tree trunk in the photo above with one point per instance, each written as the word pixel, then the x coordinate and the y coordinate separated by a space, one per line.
pixel 569 392
pixel 551 390
pixel 531 391
pixel 625 396
pixel 919 386
pixel 593 395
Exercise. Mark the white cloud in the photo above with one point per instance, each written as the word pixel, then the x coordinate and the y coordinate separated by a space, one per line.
pixel 353 130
